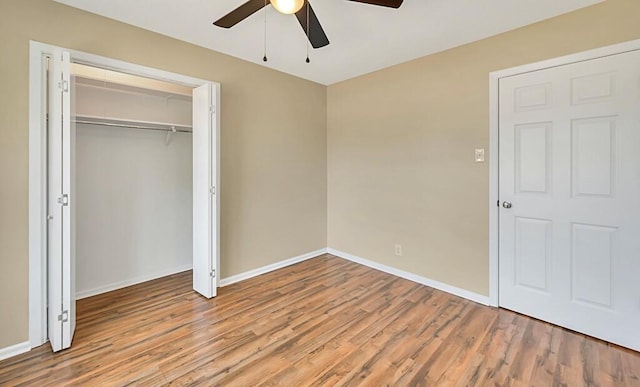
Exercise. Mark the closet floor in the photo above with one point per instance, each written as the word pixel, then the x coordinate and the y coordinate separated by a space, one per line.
pixel 324 321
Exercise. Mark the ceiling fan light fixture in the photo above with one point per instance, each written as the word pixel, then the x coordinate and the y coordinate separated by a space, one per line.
pixel 287 7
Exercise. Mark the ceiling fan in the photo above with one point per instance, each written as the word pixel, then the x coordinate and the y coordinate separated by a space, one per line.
pixel 309 23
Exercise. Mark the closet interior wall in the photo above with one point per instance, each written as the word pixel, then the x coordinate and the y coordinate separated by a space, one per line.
pixel 133 185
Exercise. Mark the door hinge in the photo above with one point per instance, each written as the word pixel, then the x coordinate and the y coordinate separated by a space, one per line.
pixel 212 109
pixel 64 316
pixel 212 190
pixel 64 86
pixel 63 200
pixel 212 274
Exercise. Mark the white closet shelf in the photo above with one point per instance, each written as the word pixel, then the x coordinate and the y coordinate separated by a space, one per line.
pixel 134 124
pixel 116 80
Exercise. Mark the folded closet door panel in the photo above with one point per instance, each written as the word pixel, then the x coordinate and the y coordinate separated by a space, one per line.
pixel 61 252
pixel 204 192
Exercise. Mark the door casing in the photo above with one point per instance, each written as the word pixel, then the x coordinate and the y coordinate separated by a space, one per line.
pixel 494 137
pixel 38 166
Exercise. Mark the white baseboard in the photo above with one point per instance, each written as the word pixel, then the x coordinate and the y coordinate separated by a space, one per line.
pixel 132 281
pixel 274 266
pixel 14 350
pixel 479 298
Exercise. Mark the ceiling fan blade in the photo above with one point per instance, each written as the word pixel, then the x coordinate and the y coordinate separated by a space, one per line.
pixel 383 3
pixel 316 34
pixel 239 14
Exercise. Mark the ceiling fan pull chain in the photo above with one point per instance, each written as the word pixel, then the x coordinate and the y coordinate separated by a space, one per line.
pixel 264 58
pixel 308 33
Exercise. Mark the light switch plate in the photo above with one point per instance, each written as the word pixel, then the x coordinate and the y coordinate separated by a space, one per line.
pixel 479 156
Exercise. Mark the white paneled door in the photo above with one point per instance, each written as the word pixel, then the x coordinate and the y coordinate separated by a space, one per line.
pixel 570 196
pixel 61 205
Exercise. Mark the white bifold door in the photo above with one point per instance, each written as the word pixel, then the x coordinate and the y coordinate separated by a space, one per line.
pixel 61 319
pixel 205 208
pixel 570 196
pixel 61 204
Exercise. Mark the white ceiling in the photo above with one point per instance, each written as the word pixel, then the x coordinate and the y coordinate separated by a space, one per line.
pixel 363 37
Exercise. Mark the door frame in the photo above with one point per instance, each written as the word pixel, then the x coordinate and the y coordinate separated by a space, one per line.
pixel 38 166
pixel 494 137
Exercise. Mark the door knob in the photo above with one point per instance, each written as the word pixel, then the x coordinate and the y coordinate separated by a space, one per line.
pixel 506 204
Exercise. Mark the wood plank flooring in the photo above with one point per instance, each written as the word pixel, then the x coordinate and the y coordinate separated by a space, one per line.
pixel 325 321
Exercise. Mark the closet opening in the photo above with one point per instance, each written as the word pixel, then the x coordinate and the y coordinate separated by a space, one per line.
pixel 123 182
pixel 133 148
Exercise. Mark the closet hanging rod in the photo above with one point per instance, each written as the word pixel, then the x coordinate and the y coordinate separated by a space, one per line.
pixel 180 129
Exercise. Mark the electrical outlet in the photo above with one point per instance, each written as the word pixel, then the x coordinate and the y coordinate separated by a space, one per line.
pixel 399 250
pixel 479 155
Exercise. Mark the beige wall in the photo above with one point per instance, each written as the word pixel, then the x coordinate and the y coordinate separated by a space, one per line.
pixel 401 145
pixel 273 141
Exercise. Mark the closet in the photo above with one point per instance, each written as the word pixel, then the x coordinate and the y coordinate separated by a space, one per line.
pixel 133 170
pixel 123 182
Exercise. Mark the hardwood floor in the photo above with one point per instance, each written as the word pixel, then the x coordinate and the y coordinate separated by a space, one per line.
pixel 325 321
